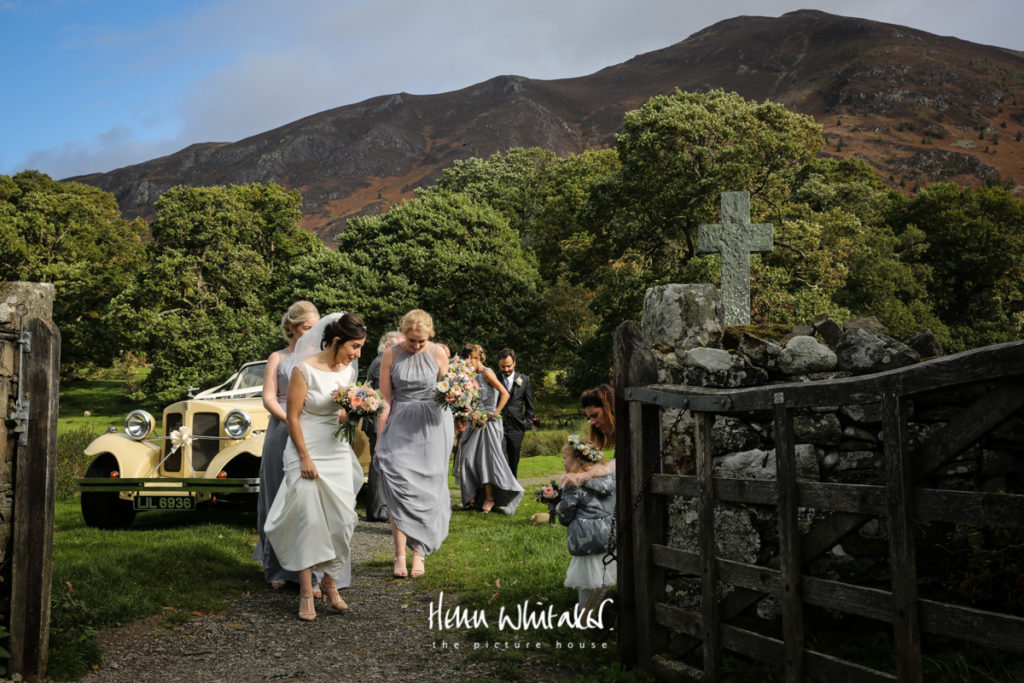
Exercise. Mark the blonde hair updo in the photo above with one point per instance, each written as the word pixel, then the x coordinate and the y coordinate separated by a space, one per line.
pixel 298 313
pixel 417 319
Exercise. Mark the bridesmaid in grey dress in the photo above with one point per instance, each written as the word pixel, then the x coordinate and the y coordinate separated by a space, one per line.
pixel 299 318
pixel 415 438
pixel 484 471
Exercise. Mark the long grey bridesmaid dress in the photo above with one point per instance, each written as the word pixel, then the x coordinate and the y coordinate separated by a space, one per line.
pixel 483 461
pixel 271 476
pixel 413 452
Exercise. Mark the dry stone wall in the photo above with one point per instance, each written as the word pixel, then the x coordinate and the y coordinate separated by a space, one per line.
pixel 841 443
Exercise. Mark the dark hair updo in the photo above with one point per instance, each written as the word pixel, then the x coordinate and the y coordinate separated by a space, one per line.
pixel 469 350
pixel 346 328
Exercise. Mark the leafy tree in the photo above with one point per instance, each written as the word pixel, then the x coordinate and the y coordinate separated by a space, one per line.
pixel 836 244
pixel 457 258
pixel 541 196
pixel 333 282
pixel 72 236
pixel 680 152
pixel 974 244
pixel 199 307
pixel 677 154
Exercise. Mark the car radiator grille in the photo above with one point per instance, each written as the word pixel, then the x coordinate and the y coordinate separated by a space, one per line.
pixel 201 450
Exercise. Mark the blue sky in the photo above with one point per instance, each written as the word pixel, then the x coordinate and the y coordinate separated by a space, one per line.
pixel 93 85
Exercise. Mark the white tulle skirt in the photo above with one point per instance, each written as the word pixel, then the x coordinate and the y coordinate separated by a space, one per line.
pixel 589 572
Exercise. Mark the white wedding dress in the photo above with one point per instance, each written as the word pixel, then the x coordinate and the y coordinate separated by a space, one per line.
pixel 312 520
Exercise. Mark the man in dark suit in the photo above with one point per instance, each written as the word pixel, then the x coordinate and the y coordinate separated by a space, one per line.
pixel 517 415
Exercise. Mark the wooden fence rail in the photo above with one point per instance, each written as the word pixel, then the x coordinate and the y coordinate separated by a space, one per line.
pixel 902 500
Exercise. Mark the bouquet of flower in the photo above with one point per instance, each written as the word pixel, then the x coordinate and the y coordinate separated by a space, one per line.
pixel 479 418
pixel 359 400
pixel 458 390
pixel 550 495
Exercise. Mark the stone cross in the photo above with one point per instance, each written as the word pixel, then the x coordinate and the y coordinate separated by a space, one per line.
pixel 736 238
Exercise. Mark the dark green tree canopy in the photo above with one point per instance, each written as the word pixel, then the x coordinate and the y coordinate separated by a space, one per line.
pixel 200 306
pixel 458 259
pixel 72 236
pixel 972 240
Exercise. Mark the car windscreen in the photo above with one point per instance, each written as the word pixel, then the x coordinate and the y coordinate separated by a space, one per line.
pixel 250 376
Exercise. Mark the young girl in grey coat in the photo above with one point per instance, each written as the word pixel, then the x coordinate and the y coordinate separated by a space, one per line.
pixel 586 507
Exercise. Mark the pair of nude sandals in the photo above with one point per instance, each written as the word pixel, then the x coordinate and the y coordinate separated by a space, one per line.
pixel 417 567
pixel 307 606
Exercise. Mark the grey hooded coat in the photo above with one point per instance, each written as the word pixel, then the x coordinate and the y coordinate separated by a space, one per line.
pixel 588 501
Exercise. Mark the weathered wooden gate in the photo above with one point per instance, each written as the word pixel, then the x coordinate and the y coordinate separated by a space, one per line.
pixel 901 502
pixel 29 385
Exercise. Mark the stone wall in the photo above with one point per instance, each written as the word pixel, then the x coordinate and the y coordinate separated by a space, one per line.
pixel 682 324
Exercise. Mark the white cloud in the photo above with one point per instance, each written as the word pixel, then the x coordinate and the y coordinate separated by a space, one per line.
pixel 114 148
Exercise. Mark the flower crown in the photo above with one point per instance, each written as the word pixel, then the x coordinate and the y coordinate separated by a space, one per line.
pixel 584 450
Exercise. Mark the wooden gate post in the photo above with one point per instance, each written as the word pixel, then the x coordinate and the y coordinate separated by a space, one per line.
pixel 633 366
pixel 35 470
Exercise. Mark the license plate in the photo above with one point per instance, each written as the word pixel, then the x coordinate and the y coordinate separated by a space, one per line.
pixel 165 503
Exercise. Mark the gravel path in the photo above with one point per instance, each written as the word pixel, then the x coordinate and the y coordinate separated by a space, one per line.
pixel 383 636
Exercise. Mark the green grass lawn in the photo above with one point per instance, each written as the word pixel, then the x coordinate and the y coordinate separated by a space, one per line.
pixel 168 565
pixel 187 560
pixel 106 400
pixel 541 466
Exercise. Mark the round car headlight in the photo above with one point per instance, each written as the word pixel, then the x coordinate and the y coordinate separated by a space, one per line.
pixel 138 425
pixel 237 423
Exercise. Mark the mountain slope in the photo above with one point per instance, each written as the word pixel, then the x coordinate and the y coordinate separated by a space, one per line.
pixel 916 106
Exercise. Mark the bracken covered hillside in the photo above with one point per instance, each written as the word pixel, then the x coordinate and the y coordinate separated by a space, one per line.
pixel 916 106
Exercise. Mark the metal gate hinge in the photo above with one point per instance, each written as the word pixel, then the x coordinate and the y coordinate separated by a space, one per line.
pixel 20 418
pixel 20 413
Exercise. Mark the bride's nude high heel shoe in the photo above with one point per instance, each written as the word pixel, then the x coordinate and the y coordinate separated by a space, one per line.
pixel 400 571
pixel 331 595
pixel 307 608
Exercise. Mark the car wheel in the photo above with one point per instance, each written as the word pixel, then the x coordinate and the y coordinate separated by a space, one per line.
pixel 242 466
pixel 105 509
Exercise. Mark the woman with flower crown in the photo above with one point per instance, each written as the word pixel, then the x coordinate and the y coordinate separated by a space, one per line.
pixel 586 507
pixel 483 465
pixel 414 440
pixel 313 517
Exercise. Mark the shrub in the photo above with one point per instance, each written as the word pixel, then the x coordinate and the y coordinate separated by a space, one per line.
pixel 73 647
pixel 71 461
pixel 543 442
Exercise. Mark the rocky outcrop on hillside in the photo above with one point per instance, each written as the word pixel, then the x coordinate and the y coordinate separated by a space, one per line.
pixel 916 106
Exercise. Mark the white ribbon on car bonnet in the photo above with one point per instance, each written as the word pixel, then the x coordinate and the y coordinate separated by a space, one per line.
pixel 182 436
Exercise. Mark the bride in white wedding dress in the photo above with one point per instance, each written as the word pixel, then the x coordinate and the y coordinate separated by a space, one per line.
pixel 313 517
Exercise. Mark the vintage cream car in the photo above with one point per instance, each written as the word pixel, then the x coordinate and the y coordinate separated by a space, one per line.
pixel 209 452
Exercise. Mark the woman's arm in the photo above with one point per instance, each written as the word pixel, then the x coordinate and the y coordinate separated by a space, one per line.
pixel 270 387
pixel 566 509
pixel 297 389
pixel 492 380
pixel 441 356
pixel 385 388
